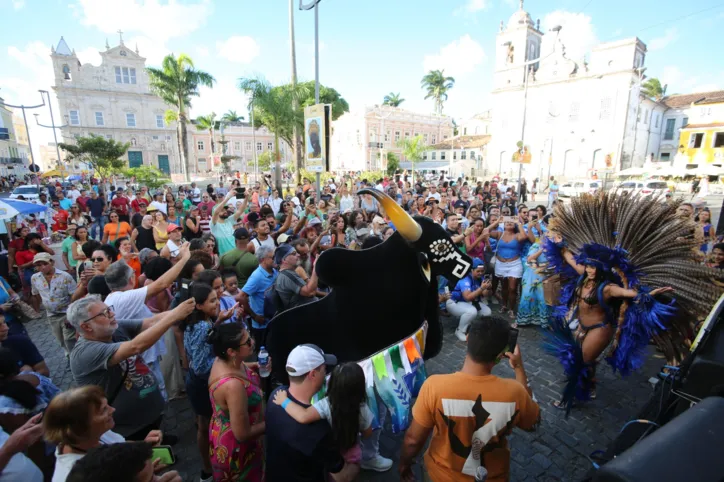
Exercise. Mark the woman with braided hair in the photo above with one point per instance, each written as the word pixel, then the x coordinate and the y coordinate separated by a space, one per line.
pixel 629 274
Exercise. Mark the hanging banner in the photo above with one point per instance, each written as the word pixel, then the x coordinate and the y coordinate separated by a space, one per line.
pixel 317 125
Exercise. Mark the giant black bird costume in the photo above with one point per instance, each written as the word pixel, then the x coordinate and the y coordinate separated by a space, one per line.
pixel 379 296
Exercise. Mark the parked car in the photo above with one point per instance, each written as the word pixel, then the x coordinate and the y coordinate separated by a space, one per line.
pixel 29 192
pixel 580 186
pixel 655 188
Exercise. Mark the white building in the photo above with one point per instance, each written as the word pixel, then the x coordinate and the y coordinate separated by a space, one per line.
pixel 582 115
pixel 459 156
pixel 114 100
pixel 361 139
pixel 479 124
pixel 14 147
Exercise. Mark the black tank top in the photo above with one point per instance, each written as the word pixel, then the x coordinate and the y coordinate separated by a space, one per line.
pixel 145 239
pixel 188 234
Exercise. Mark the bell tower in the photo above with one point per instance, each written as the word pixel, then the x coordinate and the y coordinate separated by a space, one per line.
pixel 516 43
pixel 65 63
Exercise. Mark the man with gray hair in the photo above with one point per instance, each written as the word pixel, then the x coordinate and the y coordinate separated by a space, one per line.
pixel 252 294
pixel 107 355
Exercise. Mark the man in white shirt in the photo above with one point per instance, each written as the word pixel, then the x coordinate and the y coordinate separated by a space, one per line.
pixel 158 203
pixel 332 185
pixel 433 194
pixel 74 194
pixel 195 193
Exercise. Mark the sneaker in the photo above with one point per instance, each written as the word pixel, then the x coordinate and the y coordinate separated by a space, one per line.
pixel 494 300
pixel 461 335
pixel 206 477
pixel 378 464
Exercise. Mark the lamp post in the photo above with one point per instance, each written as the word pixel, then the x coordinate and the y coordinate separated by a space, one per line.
pixel 315 5
pixel 30 144
pixel 526 73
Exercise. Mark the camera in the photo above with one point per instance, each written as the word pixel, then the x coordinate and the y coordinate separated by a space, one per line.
pixel 240 192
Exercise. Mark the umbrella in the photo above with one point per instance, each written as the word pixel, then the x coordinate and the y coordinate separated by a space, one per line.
pixel 9 208
pixel 74 177
pixel 53 173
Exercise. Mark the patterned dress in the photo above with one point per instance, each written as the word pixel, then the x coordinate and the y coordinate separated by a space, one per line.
pixel 231 460
pixel 532 309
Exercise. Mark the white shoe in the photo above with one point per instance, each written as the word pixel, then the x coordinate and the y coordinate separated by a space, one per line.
pixel 461 335
pixel 495 300
pixel 378 464
pixel 208 479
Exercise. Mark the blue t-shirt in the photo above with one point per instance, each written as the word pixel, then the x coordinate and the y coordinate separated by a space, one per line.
pixel 66 204
pixel 96 206
pixel 24 349
pixel 465 284
pixel 199 353
pixel 255 287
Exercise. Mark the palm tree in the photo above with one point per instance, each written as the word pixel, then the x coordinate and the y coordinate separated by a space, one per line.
pixel 273 108
pixel 208 123
pixel 652 88
pixel 231 116
pixel 437 86
pixel 413 149
pixel 176 82
pixel 393 100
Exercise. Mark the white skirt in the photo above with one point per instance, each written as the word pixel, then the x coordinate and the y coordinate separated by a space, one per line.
pixel 509 269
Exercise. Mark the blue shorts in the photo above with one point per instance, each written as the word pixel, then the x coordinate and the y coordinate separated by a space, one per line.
pixel 197 390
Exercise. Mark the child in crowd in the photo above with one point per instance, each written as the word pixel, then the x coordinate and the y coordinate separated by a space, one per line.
pixel 344 408
pixel 230 281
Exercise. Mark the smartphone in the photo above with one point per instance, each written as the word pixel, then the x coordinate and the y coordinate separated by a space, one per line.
pixel 487 278
pixel 164 453
pixel 509 219
pixel 87 264
pixel 512 339
pixel 447 290
pixel 240 192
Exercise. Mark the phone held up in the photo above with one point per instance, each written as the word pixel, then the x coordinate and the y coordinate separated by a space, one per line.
pixel 240 192
pixel 512 339
pixel 164 453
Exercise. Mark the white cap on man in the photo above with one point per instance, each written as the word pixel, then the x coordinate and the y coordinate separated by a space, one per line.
pixel 305 358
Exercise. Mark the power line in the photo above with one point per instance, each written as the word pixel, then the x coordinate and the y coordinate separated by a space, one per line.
pixel 682 18
pixel 586 6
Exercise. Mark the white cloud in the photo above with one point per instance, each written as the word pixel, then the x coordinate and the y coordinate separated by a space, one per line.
pixel 202 51
pixel 18 4
pixel 148 48
pixel 308 47
pixel 679 83
pixel 238 49
pixel 708 87
pixel 671 75
pixel 456 58
pixel 156 20
pixel 35 56
pixel 658 43
pixel 577 33
pixel 617 32
pixel 471 6
pixel 222 97
pixel 91 55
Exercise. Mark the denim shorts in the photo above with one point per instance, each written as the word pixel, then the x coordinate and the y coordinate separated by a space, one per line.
pixel 197 390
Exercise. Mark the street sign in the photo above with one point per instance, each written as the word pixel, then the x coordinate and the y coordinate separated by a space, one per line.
pixel 317 125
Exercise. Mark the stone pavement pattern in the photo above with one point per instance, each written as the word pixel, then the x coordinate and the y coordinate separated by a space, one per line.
pixel 556 451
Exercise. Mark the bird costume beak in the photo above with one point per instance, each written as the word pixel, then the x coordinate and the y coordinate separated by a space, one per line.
pixel 406 226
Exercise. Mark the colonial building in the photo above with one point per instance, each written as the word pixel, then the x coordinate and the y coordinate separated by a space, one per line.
pixel 114 100
pixel 479 124
pixel 362 139
pixel 701 140
pixel 464 155
pixel 579 114
pixel 14 146
pixel 241 140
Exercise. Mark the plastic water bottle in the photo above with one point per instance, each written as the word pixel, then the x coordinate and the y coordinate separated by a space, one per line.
pixel 263 359
pixel 481 474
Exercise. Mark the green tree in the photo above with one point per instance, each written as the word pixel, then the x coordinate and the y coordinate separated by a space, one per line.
pixel 437 86
pixel 393 99
pixel 273 108
pixel 327 95
pixel 176 82
pixel 208 123
pixel 265 160
pixel 103 155
pixel 393 163
pixel 412 148
pixel 231 116
pixel 149 176
pixel 652 88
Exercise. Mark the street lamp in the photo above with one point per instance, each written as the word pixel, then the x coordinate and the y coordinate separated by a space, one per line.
pixel 557 30
pixel 315 5
pixel 30 144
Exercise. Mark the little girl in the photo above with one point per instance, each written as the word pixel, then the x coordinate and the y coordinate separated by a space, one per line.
pixel 344 408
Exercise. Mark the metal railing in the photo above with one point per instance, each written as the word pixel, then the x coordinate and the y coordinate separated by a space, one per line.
pixel 11 160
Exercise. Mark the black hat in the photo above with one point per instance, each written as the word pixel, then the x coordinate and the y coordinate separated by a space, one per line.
pixel 460 204
pixel 241 233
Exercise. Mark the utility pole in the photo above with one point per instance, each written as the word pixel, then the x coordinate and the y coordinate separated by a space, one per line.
pixel 315 6
pixel 30 144
pixel 297 148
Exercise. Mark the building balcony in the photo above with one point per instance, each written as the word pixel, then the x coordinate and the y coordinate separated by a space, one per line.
pixel 376 145
pixel 11 160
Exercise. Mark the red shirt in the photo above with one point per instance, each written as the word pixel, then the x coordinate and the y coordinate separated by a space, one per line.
pixel 120 204
pixel 60 220
pixel 136 204
pixel 82 203
pixel 17 244
pixel 24 256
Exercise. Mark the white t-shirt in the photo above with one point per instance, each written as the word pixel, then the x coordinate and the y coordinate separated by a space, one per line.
pixel 325 411
pixel 196 195
pixel 173 248
pixel 74 195
pixel 64 462
pixel 435 195
pixel 267 242
pixel 20 468
pixel 131 305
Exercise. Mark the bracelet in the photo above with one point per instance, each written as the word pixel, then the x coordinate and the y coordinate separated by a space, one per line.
pixel 285 403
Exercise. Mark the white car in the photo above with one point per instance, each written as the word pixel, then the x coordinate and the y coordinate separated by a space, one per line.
pixel 29 192
pixel 580 186
pixel 656 188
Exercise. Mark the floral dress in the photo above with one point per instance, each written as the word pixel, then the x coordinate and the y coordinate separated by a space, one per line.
pixel 532 309
pixel 232 460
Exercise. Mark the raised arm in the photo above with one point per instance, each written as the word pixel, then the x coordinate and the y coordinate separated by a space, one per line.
pixel 216 211
pixel 297 412
pixel 171 275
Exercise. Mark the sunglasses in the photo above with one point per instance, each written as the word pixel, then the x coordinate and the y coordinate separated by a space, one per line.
pixel 98 260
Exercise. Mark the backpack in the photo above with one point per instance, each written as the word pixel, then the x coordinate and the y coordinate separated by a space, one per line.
pixel 273 303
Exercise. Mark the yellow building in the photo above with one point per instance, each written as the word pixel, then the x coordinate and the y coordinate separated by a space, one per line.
pixel 701 141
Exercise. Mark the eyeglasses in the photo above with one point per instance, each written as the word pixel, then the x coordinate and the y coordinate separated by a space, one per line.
pixel 98 260
pixel 107 313
pixel 248 341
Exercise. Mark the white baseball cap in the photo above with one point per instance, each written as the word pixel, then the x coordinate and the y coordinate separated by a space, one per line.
pixel 305 358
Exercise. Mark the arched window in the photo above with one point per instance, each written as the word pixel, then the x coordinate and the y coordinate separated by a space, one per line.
pixel 599 160
pixel 66 72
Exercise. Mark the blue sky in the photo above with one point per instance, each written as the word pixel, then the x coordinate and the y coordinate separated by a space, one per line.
pixel 368 48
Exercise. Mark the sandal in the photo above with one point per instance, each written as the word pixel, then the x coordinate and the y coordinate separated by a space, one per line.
pixel 514 325
pixel 558 404
pixel 511 314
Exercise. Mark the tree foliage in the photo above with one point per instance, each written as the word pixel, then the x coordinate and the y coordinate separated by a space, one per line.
pixel 327 95
pixel 176 82
pixel 103 155
pixel 149 176
pixel 393 99
pixel 413 149
pixel 652 88
pixel 393 163
pixel 437 87
pixel 231 116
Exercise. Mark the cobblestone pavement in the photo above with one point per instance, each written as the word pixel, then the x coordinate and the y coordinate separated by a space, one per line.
pixel 556 451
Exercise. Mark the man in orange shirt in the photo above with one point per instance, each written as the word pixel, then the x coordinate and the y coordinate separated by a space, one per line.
pixel 472 411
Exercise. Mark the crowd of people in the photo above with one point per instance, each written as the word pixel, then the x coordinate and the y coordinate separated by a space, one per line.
pixel 168 294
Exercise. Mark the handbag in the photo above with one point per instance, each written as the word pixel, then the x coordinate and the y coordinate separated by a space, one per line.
pixel 552 290
pixel 23 309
